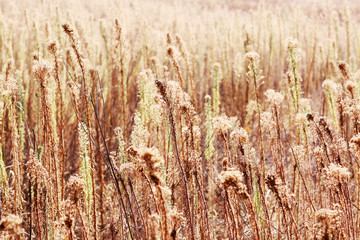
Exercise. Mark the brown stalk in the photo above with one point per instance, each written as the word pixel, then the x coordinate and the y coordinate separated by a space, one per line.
pixel 53 49
pixel 161 85
pixel 176 66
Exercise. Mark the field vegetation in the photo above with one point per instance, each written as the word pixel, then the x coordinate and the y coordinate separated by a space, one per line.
pixel 210 119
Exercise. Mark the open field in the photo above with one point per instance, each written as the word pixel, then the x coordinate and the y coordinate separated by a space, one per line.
pixel 214 119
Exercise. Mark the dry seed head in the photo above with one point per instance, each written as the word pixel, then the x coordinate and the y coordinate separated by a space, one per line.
pixel 165 72
pixel 273 97
pixel 344 69
pixel 267 121
pixel 252 57
pixel 294 50
pixel 153 160
pixel 207 98
pixel 278 187
pixel 326 128
pixel 9 67
pixel 75 90
pixel 70 58
pixel 41 69
pixel 170 52
pixel 335 174
pixel 11 87
pixel 37 170
pixel 216 73
pixel 112 155
pixel 225 162
pixel 232 179
pixel 76 186
pixel 221 124
pixel 180 99
pixel 239 135
pixel 299 152
pixel 140 135
pixel 36 56
pixel 254 73
pixel 340 146
pixel 118 131
pixel 67 29
pixel 83 135
pixel 351 87
pixel 185 132
pixel 319 155
pixel 330 85
pixel 328 223
pixel 151 156
pixel 252 153
pixel 12 225
pixel 74 39
pixel 53 47
pixel 250 110
pixel 168 39
pixel 355 143
pixel 292 43
pixel 197 134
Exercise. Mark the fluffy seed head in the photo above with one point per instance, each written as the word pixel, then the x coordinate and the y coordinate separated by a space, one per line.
pixel 273 97
pixel 239 135
pixel 12 225
pixel 10 87
pixel 232 179
pixel 252 57
pixel 221 124
pixel 336 174
pixel 328 223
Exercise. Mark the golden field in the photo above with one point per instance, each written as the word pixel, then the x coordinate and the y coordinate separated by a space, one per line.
pixel 213 119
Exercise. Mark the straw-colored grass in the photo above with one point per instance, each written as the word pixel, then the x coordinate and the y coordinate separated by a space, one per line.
pixel 209 119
